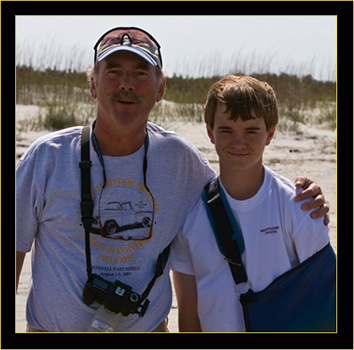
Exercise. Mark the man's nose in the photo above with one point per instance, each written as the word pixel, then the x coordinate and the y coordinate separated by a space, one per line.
pixel 126 82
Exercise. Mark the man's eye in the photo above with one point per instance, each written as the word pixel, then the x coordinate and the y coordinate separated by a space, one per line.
pixel 112 71
pixel 141 73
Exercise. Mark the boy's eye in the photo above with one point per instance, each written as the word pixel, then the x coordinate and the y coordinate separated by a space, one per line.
pixel 225 130
pixel 252 131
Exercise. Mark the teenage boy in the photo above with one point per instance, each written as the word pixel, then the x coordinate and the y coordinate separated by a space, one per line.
pixel 241 116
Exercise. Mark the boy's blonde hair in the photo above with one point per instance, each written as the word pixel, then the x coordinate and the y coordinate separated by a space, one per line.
pixel 242 95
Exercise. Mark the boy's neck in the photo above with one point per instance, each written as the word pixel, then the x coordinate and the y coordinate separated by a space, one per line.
pixel 242 185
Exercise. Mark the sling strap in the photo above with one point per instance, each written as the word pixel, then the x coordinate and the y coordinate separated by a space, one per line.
pixel 87 211
pixel 227 232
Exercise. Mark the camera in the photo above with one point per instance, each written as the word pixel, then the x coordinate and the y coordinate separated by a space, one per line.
pixel 116 297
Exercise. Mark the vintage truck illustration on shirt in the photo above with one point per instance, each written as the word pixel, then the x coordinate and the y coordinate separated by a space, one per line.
pixel 121 216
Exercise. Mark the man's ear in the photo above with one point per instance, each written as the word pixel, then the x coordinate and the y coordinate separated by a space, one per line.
pixel 210 132
pixel 270 135
pixel 161 90
pixel 93 88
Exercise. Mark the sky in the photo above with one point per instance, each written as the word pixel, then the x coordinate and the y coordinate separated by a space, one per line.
pixel 191 45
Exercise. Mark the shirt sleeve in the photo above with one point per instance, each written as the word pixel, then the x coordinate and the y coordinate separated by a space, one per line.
pixel 310 236
pixel 29 203
pixel 181 260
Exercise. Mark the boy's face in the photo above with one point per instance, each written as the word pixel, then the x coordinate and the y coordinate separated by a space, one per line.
pixel 239 145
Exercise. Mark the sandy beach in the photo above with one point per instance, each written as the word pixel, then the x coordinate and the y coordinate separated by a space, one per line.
pixel 310 151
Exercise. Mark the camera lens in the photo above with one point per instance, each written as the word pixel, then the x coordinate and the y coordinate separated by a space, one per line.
pixel 134 298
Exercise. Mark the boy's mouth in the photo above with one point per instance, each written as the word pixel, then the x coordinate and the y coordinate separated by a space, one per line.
pixel 239 155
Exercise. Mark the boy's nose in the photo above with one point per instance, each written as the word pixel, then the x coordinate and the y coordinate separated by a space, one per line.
pixel 238 142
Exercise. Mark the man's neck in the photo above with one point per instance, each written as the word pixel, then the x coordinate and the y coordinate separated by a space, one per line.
pixel 242 185
pixel 122 142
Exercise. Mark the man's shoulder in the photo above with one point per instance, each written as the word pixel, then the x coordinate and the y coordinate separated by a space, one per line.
pixel 171 141
pixel 167 135
pixel 54 141
pixel 162 133
pixel 60 135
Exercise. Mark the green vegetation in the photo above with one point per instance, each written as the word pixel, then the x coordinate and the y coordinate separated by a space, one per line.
pixel 65 99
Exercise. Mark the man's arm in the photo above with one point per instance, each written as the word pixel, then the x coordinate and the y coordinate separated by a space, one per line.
pixel 187 298
pixel 312 190
pixel 20 257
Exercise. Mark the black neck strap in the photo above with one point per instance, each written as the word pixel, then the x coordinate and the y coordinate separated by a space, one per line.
pixel 100 157
pixel 87 203
pixel 86 197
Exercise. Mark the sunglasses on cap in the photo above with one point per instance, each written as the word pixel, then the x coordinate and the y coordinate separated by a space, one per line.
pixel 131 39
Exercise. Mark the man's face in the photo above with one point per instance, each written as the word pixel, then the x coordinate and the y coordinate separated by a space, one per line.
pixel 239 145
pixel 127 88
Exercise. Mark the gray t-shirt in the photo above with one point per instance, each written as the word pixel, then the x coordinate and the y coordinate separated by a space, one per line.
pixel 49 215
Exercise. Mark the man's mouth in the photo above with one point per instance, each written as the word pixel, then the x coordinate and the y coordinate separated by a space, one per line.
pixel 126 102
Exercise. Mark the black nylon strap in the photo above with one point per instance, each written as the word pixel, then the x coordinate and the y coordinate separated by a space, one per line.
pixel 87 209
pixel 86 198
pixel 160 266
pixel 224 231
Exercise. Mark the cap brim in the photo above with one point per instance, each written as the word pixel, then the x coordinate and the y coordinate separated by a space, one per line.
pixel 135 50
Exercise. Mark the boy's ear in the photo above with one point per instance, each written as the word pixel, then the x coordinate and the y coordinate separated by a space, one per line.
pixel 210 132
pixel 270 135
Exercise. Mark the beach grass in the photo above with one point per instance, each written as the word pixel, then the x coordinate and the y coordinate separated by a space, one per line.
pixel 61 90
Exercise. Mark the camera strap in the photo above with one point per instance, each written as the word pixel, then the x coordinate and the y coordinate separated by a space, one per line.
pixel 86 197
pixel 87 208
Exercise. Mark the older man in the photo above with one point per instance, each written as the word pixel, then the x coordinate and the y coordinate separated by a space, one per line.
pixel 144 182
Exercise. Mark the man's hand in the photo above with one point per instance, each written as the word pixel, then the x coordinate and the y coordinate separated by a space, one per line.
pixel 312 190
